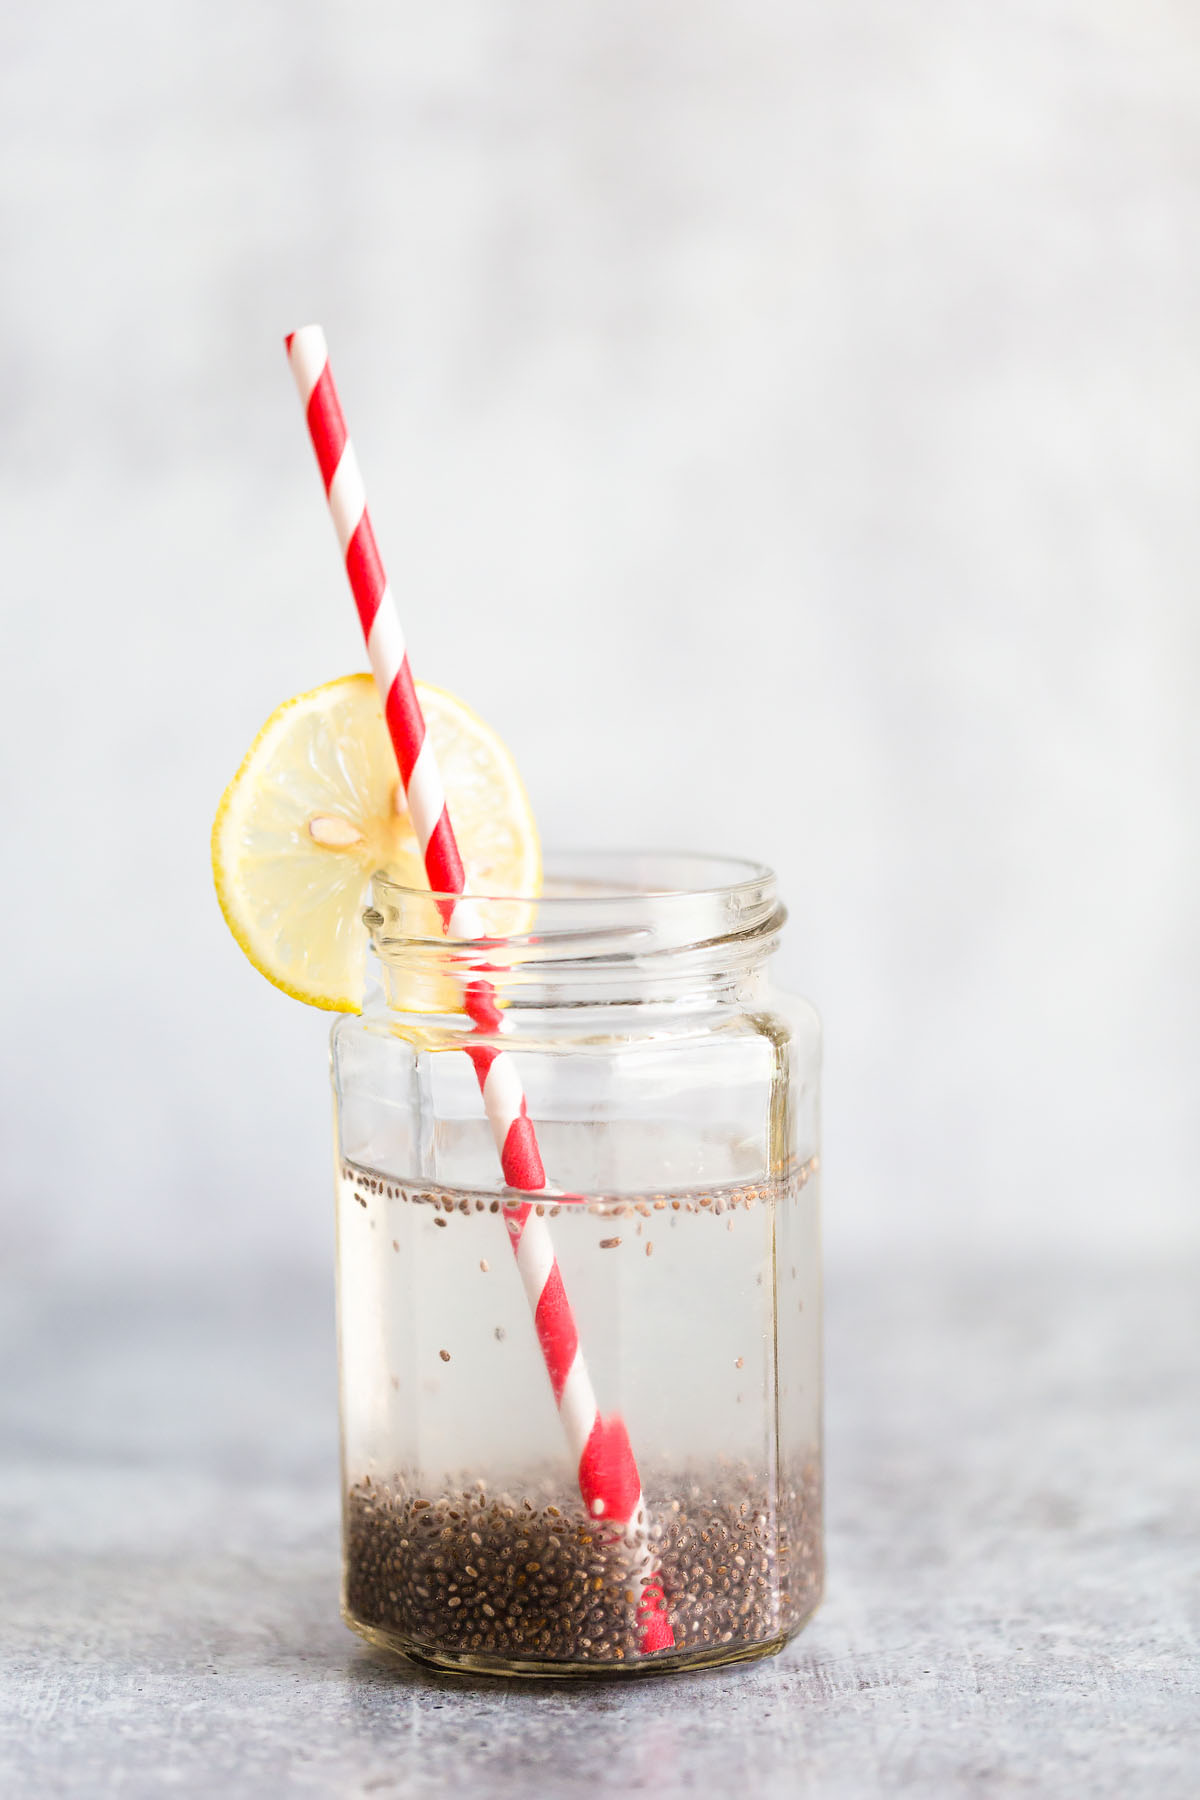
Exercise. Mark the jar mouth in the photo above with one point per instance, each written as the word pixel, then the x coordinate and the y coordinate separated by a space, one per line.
pixel 595 907
pixel 583 878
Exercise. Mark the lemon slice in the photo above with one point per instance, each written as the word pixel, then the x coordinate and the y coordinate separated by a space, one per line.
pixel 317 808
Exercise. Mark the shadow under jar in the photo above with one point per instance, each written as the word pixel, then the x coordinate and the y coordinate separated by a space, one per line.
pixel 675 1097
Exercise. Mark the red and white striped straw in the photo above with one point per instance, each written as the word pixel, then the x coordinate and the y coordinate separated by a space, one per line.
pixel 607 1472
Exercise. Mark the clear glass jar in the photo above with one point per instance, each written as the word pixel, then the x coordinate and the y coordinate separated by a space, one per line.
pixel 675 1097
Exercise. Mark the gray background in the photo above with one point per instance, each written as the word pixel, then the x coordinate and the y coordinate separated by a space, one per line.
pixel 779 420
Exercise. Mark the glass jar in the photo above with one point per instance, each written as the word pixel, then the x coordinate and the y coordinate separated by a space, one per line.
pixel 675 1099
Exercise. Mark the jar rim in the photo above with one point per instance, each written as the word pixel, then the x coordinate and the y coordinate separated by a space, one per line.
pixel 593 880
pixel 615 915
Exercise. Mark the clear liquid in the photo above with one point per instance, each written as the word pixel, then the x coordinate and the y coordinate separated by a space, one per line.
pixel 698 1316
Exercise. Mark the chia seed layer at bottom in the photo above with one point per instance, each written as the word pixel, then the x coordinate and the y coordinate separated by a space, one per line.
pixel 530 1576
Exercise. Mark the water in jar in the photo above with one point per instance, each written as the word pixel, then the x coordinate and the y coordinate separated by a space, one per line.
pixel 698 1314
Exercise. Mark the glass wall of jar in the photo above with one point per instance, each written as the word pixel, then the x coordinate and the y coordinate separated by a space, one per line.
pixel 675 1098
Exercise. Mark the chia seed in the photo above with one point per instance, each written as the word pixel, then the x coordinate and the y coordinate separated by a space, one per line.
pixel 540 1581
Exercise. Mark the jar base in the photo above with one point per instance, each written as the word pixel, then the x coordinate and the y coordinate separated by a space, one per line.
pixel 465 1662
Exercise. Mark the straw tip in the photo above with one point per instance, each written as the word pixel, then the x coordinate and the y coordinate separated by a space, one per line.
pixel 313 333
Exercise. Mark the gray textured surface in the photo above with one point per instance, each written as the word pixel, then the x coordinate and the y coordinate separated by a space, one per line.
pixel 1015 1557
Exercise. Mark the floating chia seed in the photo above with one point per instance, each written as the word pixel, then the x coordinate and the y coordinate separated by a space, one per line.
pixel 361 1185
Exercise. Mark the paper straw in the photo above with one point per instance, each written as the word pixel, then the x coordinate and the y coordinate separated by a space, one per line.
pixel 607 1472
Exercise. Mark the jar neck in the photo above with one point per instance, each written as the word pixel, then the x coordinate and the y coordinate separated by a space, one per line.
pixel 606 932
